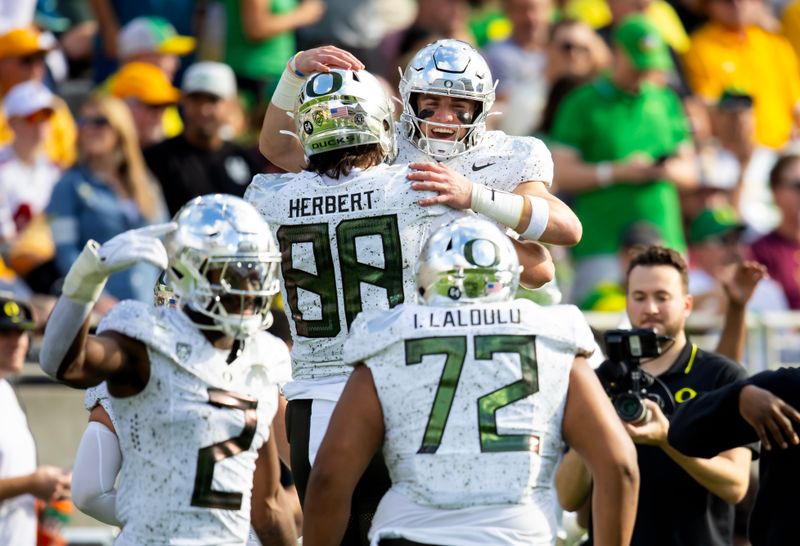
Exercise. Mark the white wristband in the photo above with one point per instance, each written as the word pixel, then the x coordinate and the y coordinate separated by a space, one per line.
pixel 540 215
pixel 505 208
pixel 605 173
pixel 87 277
pixel 287 90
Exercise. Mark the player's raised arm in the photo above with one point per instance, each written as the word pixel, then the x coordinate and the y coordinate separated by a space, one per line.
pixel 283 149
pixel 592 428
pixel 354 435
pixel 69 353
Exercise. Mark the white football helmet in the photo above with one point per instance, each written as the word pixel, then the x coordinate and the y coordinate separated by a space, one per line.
pixel 223 264
pixel 451 68
pixel 344 108
pixel 467 261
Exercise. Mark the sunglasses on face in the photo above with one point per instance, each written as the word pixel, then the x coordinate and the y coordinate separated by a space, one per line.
pixel 32 59
pixel 568 47
pixel 93 121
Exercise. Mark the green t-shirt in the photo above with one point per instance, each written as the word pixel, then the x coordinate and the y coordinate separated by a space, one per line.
pixel 604 123
pixel 263 60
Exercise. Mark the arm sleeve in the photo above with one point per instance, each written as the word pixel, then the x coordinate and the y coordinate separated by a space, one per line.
pixel 97 464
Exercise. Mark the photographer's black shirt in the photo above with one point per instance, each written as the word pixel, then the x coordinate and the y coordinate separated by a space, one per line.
pixel 674 509
pixel 712 423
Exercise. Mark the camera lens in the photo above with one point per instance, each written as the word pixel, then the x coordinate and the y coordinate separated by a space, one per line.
pixel 630 408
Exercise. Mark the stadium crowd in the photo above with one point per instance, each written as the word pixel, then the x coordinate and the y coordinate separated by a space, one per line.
pixel 673 126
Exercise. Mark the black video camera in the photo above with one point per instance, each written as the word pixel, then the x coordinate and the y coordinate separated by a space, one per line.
pixel 622 377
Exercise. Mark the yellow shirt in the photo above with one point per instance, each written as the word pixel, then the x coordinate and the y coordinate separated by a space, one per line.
pixel 791 25
pixel 61 141
pixel 756 61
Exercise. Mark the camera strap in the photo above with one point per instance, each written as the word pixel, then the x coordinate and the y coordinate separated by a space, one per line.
pixel 688 367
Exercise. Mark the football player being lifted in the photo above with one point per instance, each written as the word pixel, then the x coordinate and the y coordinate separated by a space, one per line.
pixel 472 395
pixel 447 94
pixel 349 230
pixel 192 391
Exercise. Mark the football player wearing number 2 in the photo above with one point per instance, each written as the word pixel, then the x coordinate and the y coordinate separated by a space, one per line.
pixel 472 395
pixel 191 388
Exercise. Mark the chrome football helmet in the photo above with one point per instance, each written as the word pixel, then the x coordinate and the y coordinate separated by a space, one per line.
pixel 454 69
pixel 468 260
pixel 344 108
pixel 223 264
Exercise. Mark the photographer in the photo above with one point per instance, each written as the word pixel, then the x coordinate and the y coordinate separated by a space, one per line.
pixel 682 500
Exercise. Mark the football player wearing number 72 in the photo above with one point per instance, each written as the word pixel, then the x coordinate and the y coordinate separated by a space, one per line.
pixel 472 395
pixel 190 387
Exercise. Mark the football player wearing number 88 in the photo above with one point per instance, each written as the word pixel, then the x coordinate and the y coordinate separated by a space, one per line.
pixel 472 395
pixel 191 390
pixel 447 93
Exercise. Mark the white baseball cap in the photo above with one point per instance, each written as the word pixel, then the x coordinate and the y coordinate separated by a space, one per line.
pixel 210 77
pixel 26 98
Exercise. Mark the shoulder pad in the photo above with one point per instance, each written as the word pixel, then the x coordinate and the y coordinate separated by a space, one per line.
pixel 373 331
pixel 279 365
pixel 564 324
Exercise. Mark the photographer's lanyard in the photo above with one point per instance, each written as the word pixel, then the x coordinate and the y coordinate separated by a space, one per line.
pixel 691 360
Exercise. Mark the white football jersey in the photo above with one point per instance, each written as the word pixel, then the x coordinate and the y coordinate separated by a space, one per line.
pixel 499 161
pixel 347 245
pixel 473 399
pixel 190 439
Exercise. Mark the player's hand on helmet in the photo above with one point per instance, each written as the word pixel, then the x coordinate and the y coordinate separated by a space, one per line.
pixel 50 483
pixel 322 59
pixel 769 416
pixel 653 431
pixel 136 245
pixel 452 188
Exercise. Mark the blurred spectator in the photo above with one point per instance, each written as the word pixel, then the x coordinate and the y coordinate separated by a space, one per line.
pixel 623 148
pixel 518 64
pixel 27 178
pixel 106 193
pixel 731 51
pixel 200 160
pixel 610 296
pixel 575 50
pixel 148 93
pixel 446 18
pixel 259 40
pixel 21 482
pixel 22 53
pixel 715 250
pixel 780 249
pixel 354 25
pixel 153 40
pixel 18 13
pixel 561 87
pixel 112 15
pixel 790 25
pixel 741 164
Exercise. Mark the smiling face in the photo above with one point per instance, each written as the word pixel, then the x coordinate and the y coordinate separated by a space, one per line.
pixel 449 111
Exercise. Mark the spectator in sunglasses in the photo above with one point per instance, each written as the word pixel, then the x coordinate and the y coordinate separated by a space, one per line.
pixel 22 52
pixel 779 249
pixel 106 193
pixel 715 249
pixel 148 93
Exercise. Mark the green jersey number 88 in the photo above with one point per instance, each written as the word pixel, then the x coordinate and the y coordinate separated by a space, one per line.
pixel 352 272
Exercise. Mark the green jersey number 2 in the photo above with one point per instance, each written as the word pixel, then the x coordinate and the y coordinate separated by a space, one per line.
pixel 323 283
pixel 484 348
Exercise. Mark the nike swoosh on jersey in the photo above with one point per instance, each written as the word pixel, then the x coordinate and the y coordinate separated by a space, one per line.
pixel 477 168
